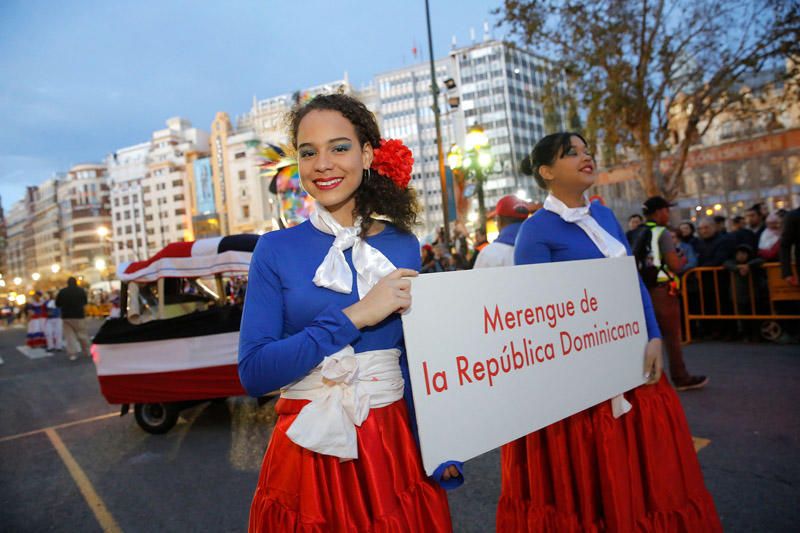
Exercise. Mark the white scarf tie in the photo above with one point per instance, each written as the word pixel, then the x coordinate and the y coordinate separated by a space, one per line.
pixel 334 273
pixel 608 246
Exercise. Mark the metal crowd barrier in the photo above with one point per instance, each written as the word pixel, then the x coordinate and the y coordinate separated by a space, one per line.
pixel 703 299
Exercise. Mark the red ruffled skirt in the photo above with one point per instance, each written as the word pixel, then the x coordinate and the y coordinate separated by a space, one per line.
pixel 385 489
pixel 592 472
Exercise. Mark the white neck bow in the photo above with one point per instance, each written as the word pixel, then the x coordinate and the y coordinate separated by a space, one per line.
pixel 605 242
pixel 334 273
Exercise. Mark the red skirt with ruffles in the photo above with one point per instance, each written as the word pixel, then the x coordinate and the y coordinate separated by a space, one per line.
pixel 592 472
pixel 384 490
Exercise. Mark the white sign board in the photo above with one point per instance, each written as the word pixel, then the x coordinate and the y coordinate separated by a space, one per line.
pixel 497 353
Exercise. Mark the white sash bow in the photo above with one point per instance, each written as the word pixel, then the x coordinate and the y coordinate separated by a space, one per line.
pixel 342 390
pixel 334 273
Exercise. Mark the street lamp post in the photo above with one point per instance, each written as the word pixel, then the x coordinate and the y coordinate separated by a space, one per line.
pixel 477 160
pixel 436 112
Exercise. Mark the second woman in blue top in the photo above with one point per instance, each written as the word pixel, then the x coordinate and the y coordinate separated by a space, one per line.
pixel 601 469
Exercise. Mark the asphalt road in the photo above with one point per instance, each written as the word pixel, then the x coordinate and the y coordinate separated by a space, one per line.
pixel 68 462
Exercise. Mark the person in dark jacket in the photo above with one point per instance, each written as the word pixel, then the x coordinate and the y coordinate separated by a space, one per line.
pixel 72 300
pixel 715 248
pixel 755 221
pixel 742 234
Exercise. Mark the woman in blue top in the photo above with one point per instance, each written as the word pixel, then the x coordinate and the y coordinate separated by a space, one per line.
pixel 321 322
pixel 600 469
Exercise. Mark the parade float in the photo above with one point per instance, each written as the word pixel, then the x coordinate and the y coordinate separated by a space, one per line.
pixel 175 343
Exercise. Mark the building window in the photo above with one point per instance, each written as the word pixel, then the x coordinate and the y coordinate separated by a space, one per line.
pixel 242 175
pixel 245 211
pixel 180 211
pixel 239 155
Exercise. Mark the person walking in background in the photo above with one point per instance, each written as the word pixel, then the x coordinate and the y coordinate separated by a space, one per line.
pixel 37 318
pixel 656 254
pixel 71 300
pixel 53 328
pixel 509 213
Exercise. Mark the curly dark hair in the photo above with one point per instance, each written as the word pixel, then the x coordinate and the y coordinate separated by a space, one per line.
pixel 377 195
pixel 546 151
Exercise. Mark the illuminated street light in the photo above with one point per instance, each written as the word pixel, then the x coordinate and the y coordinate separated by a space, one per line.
pixel 36 276
pixel 55 268
pixel 100 264
pixel 2 283
pixel 102 231
pixel 476 159
pixel 476 138
pixel 17 280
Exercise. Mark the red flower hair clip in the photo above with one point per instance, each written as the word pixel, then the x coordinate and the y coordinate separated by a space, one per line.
pixel 394 160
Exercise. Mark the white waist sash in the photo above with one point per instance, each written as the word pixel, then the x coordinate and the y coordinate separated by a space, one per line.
pixel 342 390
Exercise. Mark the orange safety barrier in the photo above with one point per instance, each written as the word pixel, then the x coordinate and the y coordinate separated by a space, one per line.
pixel 727 306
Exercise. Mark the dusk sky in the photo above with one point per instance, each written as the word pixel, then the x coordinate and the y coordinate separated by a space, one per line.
pixel 81 79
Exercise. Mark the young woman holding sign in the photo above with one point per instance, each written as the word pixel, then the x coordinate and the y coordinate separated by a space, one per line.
pixel 617 466
pixel 321 322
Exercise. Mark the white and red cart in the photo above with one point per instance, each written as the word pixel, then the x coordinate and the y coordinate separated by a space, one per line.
pixel 177 339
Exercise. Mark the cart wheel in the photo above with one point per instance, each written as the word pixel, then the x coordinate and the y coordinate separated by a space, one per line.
pixel 771 330
pixel 156 418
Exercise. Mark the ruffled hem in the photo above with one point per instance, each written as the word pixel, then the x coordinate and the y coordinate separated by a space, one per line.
pixel 515 516
pixel 406 517
pixel 592 472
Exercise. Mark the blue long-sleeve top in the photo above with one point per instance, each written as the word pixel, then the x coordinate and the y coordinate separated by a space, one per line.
pixel 546 237
pixel 290 325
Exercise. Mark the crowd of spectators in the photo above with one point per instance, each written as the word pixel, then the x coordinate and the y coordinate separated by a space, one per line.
pixel 739 244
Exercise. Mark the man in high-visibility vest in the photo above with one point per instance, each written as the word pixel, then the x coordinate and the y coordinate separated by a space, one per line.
pixel 658 258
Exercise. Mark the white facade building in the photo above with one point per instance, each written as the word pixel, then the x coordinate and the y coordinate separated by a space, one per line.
pixel 17 218
pixel 47 227
pixel 405 113
pixel 84 206
pixel 127 169
pixel 498 86
pixel 251 207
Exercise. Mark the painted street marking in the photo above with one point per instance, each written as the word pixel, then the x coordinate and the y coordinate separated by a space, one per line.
pixel 59 426
pixel 700 443
pixel 34 353
pixel 94 501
